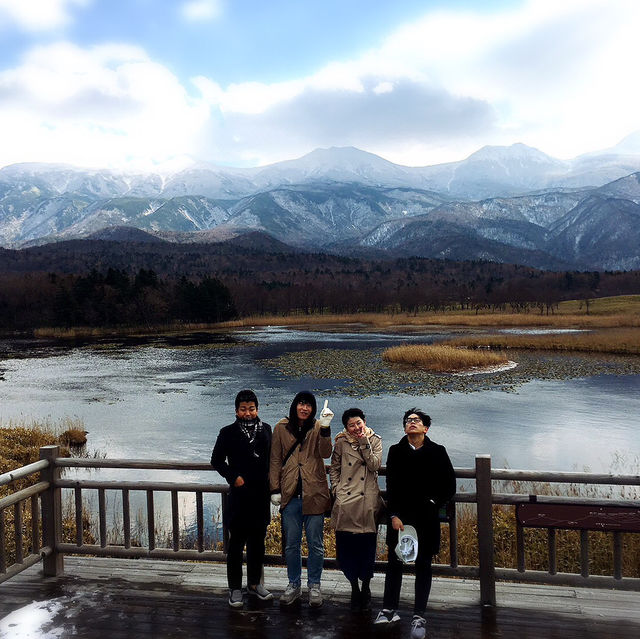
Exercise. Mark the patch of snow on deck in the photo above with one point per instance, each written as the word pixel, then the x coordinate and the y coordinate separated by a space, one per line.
pixel 32 621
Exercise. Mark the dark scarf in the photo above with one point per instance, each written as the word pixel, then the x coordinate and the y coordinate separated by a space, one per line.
pixel 251 428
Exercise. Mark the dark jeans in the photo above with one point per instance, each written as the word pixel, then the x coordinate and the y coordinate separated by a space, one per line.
pixel 393 577
pixel 253 536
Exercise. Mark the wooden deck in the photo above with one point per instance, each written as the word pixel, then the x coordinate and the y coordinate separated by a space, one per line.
pixel 119 598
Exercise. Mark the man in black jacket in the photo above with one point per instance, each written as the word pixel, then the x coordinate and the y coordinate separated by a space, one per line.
pixel 241 456
pixel 420 480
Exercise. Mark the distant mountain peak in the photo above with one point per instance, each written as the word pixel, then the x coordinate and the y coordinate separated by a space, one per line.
pixel 629 145
pixel 348 157
pixel 517 151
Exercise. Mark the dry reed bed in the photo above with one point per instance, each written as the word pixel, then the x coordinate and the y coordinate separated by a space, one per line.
pixel 620 341
pixel 20 444
pixel 98 332
pixel 608 312
pixel 458 318
pixel 441 359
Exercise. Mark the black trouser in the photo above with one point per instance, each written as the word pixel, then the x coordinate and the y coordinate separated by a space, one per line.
pixel 253 536
pixel 356 554
pixel 393 577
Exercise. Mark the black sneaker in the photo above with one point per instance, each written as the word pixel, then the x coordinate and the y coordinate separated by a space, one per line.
pixel 235 598
pixel 387 616
pixel 260 592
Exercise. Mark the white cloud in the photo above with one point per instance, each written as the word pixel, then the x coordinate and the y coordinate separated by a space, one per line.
pixel 556 75
pixel 383 87
pixel 38 15
pixel 105 106
pixel 197 10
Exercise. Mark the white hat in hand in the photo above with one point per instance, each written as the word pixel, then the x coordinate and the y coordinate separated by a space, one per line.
pixel 407 548
pixel 326 415
pixel 276 498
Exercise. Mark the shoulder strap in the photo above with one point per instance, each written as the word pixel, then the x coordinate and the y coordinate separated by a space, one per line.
pixel 289 453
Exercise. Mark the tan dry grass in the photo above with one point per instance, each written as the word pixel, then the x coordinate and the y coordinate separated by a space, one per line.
pixel 73 437
pixel 20 443
pixel 442 358
pixel 619 311
pixel 96 332
pixel 20 440
pixel 619 304
pixel 450 318
pixel 620 341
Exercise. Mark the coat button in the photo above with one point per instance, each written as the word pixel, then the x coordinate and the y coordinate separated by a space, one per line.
pixel 362 493
pixel 349 463
pixel 363 463
pixel 348 492
pixel 361 478
pixel 348 478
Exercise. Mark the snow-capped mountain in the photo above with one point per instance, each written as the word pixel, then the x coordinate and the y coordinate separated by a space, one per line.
pixel 501 203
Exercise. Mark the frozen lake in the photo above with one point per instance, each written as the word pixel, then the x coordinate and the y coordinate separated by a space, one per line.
pixel 169 401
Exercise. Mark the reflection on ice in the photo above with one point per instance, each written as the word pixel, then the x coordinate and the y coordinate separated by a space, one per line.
pixel 541 331
pixel 482 370
pixel 283 335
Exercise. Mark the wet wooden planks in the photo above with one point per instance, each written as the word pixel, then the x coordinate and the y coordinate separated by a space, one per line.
pixel 115 598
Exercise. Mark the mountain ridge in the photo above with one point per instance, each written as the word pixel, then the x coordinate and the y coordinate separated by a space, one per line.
pixel 343 199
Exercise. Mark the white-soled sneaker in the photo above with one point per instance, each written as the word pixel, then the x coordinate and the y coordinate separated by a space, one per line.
pixel 290 594
pixel 235 598
pixel 315 596
pixel 387 616
pixel 418 627
pixel 260 592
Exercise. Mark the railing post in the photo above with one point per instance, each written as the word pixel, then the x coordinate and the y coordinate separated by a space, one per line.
pixel 51 503
pixel 485 530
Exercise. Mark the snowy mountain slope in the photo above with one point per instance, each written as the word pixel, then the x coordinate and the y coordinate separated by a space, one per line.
pixel 343 197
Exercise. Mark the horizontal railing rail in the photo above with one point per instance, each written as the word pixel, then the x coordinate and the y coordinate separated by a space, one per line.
pixel 21 473
pixel 484 493
pixel 13 508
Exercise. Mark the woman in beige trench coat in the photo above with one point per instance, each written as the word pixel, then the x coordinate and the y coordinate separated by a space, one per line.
pixel 356 458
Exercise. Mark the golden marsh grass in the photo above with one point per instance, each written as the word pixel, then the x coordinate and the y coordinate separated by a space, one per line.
pixel 20 443
pixel 620 341
pixel 450 318
pixel 442 358
pixel 606 312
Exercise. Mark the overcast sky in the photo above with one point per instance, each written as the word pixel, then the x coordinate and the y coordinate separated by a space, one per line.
pixel 146 83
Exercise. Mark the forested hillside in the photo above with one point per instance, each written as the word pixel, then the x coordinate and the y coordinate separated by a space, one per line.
pixel 106 283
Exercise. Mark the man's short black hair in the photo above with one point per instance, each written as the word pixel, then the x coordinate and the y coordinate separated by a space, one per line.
pixel 246 395
pixel 352 412
pixel 426 420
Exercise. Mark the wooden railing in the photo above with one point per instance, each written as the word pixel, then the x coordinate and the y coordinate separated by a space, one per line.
pixel 47 544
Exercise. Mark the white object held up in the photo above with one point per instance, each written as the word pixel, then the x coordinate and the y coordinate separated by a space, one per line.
pixel 326 415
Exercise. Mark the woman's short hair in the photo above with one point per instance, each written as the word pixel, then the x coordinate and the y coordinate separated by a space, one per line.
pixel 426 420
pixel 352 412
